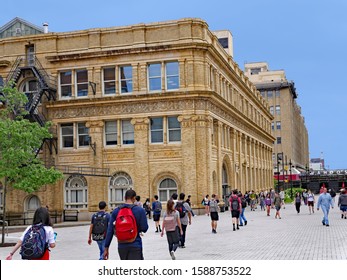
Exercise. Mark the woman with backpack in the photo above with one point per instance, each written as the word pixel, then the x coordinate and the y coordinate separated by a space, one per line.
pixel 147 207
pixel 36 248
pixel 172 226
pixel 268 203
pixel 297 201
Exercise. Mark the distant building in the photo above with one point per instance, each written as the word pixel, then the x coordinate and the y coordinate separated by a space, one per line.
pixel 159 108
pixel 317 164
pixel 288 126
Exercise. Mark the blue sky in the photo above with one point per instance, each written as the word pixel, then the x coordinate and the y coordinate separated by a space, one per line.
pixel 307 39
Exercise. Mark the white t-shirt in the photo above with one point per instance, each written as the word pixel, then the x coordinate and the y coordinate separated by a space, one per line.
pixel 49 234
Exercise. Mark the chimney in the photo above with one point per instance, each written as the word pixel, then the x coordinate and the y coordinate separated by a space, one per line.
pixel 45 27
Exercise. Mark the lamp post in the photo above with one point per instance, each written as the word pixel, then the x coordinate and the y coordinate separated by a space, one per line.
pixel 307 170
pixel 279 160
pixel 290 178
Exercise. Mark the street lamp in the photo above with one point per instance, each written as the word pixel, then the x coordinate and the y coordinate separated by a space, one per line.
pixel 291 182
pixel 279 160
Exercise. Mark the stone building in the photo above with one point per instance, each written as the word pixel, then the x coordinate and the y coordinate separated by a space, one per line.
pixel 288 126
pixel 159 108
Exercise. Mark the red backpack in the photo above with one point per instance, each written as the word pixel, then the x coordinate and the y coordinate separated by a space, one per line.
pixel 125 225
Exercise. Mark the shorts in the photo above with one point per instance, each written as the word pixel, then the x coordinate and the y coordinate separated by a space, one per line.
pixel 156 217
pixel 343 208
pixel 278 208
pixel 235 214
pixel 310 203
pixel 214 216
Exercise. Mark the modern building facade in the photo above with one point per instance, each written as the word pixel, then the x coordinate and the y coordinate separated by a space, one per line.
pixel 159 108
pixel 288 126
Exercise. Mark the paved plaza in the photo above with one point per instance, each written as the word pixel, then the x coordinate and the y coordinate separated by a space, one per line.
pixel 294 237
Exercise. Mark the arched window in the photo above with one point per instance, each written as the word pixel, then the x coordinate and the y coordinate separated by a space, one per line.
pixel 119 184
pixel 33 203
pixel 166 188
pixel 76 192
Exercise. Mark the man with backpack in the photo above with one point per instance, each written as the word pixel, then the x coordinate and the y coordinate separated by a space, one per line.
pixel 243 219
pixel 213 207
pixel 98 228
pixel 184 211
pixel 235 207
pixel 126 223
pixel 156 206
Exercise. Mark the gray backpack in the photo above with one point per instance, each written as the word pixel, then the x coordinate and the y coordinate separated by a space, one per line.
pixel 213 206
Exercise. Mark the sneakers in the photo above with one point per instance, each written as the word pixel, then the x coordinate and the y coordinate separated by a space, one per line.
pixel 327 225
pixel 172 254
pixel 245 223
pixel 214 231
pixel 323 223
pixel 241 225
pixel 341 216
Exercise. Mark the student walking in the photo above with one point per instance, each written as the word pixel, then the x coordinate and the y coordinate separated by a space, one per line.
pixel 42 228
pixel 206 201
pixel 324 202
pixel 213 207
pixel 268 203
pixel 98 228
pixel 342 203
pixel 157 207
pixel 243 219
pixel 172 225
pixel 277 204
pixel 147 207
pixel 235 207
pixel 184 210
pixel 310 201
pixel 129 247
pixel 297 201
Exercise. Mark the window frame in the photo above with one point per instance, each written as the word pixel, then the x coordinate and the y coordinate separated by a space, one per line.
pixel 109 81
pixel 62 136
pixel 125 79
pixel 77 84
pixel 61 85
pixel 169 77
pixel 149 77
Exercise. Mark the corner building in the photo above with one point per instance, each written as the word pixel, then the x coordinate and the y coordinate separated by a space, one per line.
pixel 159 108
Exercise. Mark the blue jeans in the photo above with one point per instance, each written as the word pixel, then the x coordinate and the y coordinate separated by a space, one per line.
pixel 242 216
pixel 101 244
pixel 325 211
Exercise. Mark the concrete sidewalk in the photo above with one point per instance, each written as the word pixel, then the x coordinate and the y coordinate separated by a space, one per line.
pixel 294 237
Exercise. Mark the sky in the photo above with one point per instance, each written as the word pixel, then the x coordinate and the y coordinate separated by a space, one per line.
pixel 305 38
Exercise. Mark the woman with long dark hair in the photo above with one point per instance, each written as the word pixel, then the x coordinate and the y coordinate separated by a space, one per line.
pixel 172 226
pixel 41 218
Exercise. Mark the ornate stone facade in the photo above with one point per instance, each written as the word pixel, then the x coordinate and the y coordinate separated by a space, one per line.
pixel 184 118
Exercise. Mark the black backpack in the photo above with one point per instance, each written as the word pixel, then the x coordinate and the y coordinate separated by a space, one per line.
pixel 181 209
pixel 99 226
pixel 235 204
pixel 244 203
pixel 34 243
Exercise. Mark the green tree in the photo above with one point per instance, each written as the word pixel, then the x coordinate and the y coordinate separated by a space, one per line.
pixel 20 139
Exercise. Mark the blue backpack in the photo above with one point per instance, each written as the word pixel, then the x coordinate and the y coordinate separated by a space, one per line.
pixel 34 243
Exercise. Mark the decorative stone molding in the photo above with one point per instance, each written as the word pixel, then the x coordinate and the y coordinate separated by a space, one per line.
pixel 140 123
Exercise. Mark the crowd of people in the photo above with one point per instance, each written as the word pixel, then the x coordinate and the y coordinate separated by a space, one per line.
pixel 129 221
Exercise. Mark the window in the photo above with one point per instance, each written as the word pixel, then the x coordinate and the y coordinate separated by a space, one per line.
pixel 278 125
pixel 269 94
pixel 278 93
pixel 67 135
pixel 154 77
pixel 279 140
pixel 83 135
pixel 157 130
pixel 82 83
pixel 271 110
pixel 109 80
pixel 111 133
pixel 33 203
pixel 126 79
pixel 278 110
pixel 127 132
pixel 119 184
pixel 172 75
pixel 224 42
pixel 65 84
pixel 255 71
pixel 272 125
pixel 167 188
pixel 174 129
pixel 76 192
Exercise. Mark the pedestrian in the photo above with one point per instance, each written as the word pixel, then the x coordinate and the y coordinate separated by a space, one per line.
pixel 262 201
pixel 157 207
pixel 277 204
pixel 304 196
pixel 310 201
pixel 128 250
pixel 243 219
pixel 297 201
pixel 253 198
pixel 188 200
pixel 147 207
pixel 332 194
pixel 185 216
pixel 282 195
pixel 272 195
pixel 235 207
pixel 268 203
pixel 213 208
pixel 342 203
pixel 172 225
pixel 324 202
pixel 206 201
pixel 43 226
pixel 98 228
pixel 138 202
